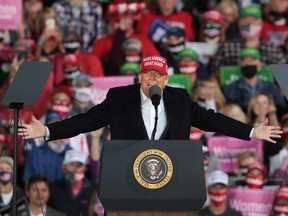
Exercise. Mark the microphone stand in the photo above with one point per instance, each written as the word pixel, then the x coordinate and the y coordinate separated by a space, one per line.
pixel 155 124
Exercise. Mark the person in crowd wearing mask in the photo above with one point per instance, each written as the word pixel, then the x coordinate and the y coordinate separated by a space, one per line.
pixel 189 63
pixel 167 12
pixel 256 175
pixel 130 69
pixel 6 184
pixel 243 89
pixel 218 187
pixel 71 68
pixel 72 194
pixel 275 26
pixel 61 101
pixel 86 17
pixel 230 13
pixel 115 48
pixel 174 44
pixel 279 160
pixel 261 107
pixel 211 29
pixel 38 192
pixel 49 41
pixel 133 50
pixel 45 158
pixel 89 64
pixel 280 204
pixel 250 24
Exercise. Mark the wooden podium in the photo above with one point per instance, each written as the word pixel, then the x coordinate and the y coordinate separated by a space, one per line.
pixel 152 178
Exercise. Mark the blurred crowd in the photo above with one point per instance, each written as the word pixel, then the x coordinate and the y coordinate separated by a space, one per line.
pixel 90 39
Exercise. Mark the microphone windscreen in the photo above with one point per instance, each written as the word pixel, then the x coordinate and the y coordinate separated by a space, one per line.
pixel 155 94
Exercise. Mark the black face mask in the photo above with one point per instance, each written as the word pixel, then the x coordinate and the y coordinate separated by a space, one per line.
pixel 275 16
pixel 177 48
pixel 71 46
pixel 249 71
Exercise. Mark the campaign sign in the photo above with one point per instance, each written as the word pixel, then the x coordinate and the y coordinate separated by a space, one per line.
pixel 10 14
pixel 101 85
pixel 227 150
pixel 251 202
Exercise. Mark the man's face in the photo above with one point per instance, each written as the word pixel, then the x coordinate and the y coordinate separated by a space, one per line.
pixel 250 27
pixel 150 78
pixel 249 20
pixel 38 195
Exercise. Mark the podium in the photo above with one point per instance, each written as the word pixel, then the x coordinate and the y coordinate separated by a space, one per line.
pixel 152 177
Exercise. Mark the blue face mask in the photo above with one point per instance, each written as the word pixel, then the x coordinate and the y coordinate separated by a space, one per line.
pixel 5 177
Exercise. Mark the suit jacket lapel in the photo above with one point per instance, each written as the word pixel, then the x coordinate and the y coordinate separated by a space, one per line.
pixel 170 109
pixel 134 108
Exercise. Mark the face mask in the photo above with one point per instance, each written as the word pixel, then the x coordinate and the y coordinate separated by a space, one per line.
pixel 71 46
pixel 188 68
pixel 217 198
pixel 61 108
pixel 249 71
pixel 72 74
pixel 74 176
pixel 255 182
pixel 133 58
pixel 177 48
pixel 278 19
pixel 58 148
pixel 280 209
pixel 251 30
pixel 83 94
pixel 5 177
pixel 243 170
pixel 213 32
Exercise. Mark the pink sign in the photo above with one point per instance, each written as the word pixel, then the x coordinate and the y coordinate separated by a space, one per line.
pixel 227 150
pixel 10 13
pixel 251 202
pixel 103 84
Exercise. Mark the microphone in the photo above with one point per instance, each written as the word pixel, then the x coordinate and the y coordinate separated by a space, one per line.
pixel 155 94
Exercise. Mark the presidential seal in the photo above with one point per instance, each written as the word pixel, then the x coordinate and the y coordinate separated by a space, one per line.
pixel 153 169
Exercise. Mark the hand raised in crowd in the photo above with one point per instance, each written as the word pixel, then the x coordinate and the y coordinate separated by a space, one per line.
pixel 34 130
pixel 265 132
pixel 15 65
pixel 49 33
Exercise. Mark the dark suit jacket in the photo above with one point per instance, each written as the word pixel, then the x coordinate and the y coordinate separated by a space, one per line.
pixel 121 110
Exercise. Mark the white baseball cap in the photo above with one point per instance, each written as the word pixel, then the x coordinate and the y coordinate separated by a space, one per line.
pixel 75 156
pixel 217 177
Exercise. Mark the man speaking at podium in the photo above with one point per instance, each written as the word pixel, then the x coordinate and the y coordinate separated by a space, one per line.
pixel 130 113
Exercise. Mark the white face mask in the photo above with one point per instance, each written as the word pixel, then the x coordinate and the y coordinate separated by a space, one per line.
pixel 83 94
pixel 58 148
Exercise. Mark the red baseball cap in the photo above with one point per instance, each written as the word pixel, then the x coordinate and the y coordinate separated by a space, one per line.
pixel 70 59
pixel 157 63
pixel 212 15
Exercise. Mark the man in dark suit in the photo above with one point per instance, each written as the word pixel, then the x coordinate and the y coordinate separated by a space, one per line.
pixel 129 112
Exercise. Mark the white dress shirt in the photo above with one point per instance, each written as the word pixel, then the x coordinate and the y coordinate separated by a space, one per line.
pixel 148 115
